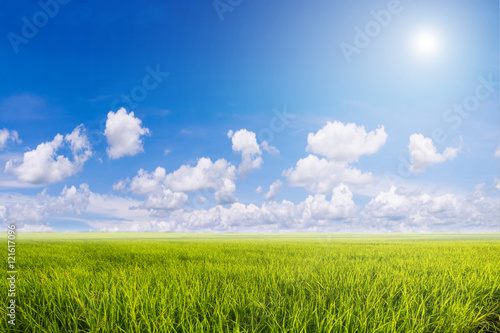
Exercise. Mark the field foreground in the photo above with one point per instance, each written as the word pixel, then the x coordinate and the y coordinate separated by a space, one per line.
pixel 256 283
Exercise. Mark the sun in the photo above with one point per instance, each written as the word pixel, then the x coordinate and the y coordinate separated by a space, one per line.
pixel 426 43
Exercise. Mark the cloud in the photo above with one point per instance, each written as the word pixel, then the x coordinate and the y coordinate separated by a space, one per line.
pixel 396 210
pixel 403 210
pixel 309 215
pixel 319 175
pixel 399 209
pixel 270 149
pixel 123 133
pixel 121 184
pixel 245 142
pixel 168 191
pixel 43 165
pixel 258 190
pixel 219 176
pixel 273 189
pixel 6 135
pixel 497 152
pixel 339 206
pixel 166 200
pixel 423 153
pixel 23 209
pixel 341 145
pixel 345 143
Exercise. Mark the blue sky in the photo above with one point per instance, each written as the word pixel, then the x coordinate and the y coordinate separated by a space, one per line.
pixel 366 116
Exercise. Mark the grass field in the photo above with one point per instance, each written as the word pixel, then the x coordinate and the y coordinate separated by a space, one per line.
pixel 256 283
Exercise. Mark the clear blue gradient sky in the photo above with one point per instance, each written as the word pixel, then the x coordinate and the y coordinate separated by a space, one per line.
pixel 262 116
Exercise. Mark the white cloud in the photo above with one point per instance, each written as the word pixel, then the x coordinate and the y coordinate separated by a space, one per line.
pixel 339 206
pixel 145 182
pixel 396 210
pixel 245 142
pixel 341 145
pixel 497 152
pixel 270 149
pixel 23 209
pixel 423 153
pixel 6 135
pixel 318 175
pixel 258 190
pixel 345 143
pixel 219 176
pixel 166 200
pixel 404 210
pixel 309 215
pixel 273 189
pixel 43 165
pixel 121 184
pixel 123 133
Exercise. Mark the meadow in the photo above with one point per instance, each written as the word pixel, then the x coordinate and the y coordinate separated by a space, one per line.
pixel 105 282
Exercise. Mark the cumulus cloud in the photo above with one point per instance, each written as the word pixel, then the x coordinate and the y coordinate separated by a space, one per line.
pixel 205 175
pixel 273 189
pixel 345 143
pixel 166 200
pixel 6 136
pixel 319 175
pixel 245 142
pixel 43 165
pixel 22 209
pixel 340 145
pixel 404 210
pixel 124 134
pixel 423 153
pixel 339 206
pixel 396 210
pixel 313 214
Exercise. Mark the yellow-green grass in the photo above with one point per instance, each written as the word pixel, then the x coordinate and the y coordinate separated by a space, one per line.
pixel 115 282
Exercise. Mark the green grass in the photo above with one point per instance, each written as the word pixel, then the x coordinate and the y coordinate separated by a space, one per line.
pixel 256 283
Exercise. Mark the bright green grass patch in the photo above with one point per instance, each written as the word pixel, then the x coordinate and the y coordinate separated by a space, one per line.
pixel 256 283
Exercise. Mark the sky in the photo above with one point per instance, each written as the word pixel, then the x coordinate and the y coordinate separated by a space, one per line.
pixel 250 116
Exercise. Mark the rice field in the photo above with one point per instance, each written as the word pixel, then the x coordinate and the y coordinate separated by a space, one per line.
pixel 255 283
